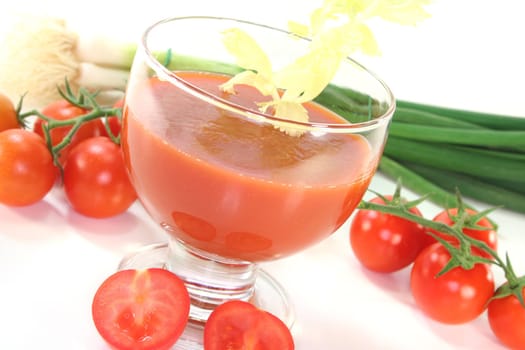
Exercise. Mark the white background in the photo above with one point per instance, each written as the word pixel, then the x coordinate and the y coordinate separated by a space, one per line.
pixel 469 54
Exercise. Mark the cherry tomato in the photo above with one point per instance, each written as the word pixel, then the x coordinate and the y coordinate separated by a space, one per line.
pixel 455 297
pixel 141 310
pixel 27 172
pixel 113 122
pixel 507 320
pixel 63 110
pixel 384 242
pixel 96 182
pixel 238 325
pixel 489 236
pixel 8 118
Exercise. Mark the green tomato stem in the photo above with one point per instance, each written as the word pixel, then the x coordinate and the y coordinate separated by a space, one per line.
pixel 461 255
pixel 84 100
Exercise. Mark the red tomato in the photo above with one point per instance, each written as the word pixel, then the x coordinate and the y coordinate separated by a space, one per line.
pixel 27 172
pixel 141 310
pixel 456 297
pixel 63 110
pixel 114 125
pixel 488 236
pixel 113 122
pixel 8 117
pixel 238 325
pixel 507 320
pixel 384 242
pixel 96 182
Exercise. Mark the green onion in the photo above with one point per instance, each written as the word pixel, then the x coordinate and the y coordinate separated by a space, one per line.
pixel 514 186
pixel 472 187
pixel 416 183
pixel 508 139
pixel 490 120
pixel 448 157
pixel 414 116
pixel 421 185
pixel 183 62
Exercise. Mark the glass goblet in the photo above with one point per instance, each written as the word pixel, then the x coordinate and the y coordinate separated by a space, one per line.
pixel 233 186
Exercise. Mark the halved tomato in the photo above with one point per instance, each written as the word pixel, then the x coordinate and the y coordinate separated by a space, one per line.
pixel 237 325
pixel 141 309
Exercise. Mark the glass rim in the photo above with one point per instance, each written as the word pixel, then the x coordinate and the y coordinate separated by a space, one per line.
pixel 253 114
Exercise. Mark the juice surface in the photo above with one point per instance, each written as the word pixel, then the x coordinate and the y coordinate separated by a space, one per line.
pixel 234 187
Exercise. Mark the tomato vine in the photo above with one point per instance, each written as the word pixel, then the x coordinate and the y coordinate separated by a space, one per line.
pixel 461 254
pixel 83 99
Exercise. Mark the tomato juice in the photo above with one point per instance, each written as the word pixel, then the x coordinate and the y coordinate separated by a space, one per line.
pixel 233 186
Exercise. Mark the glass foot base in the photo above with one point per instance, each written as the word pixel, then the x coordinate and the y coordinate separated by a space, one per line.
pixel 269 295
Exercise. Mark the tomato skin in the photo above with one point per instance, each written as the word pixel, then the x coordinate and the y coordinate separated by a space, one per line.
pixel 114 125
pixel 455 297
pixel 8 117
pixel 27 172
pixel 238 325
pixel 113 122
pixel 489 236
pixel 386 243
pixel 507 320
pixel 63 110
pixel 141 310
pixel 96 181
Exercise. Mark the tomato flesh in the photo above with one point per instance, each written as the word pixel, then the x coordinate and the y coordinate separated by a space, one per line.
pixel 141 309
pixel 458 296
pixel 239 325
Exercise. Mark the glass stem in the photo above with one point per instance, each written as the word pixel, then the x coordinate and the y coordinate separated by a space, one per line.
pixel 211 280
